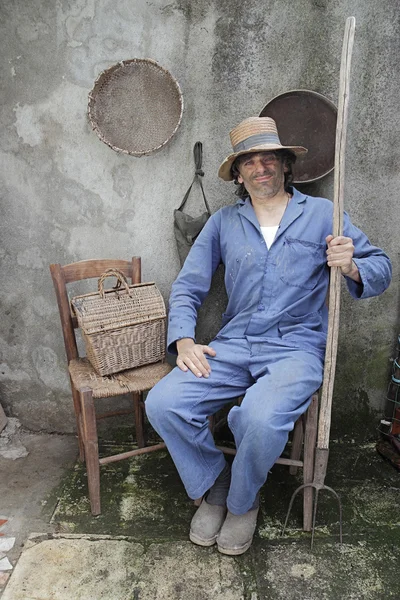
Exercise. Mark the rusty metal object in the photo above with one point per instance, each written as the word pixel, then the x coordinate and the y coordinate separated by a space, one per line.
pixel 320 467
pixel 307 118
pixel 135 106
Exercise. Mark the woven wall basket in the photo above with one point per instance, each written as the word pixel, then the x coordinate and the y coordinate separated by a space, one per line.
pixel 135 106
pixel 122 328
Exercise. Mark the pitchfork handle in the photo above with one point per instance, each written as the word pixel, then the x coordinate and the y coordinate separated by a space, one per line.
pixel 324 423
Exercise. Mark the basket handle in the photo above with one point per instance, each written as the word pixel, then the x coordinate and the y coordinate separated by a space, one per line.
pixel 121 281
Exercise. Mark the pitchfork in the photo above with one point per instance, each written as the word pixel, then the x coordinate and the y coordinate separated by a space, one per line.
pixel 324 422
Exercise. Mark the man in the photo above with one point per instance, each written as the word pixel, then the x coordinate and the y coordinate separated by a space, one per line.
pixel 277 247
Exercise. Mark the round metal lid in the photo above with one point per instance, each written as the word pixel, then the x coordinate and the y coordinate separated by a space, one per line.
pixel 307 118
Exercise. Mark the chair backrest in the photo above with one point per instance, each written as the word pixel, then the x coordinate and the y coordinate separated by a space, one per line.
pixel 85 269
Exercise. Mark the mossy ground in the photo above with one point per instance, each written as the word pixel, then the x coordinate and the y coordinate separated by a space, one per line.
pixel 144 499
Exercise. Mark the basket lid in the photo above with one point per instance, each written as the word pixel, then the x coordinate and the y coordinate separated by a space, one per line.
pixel 135 106
pixel 118 309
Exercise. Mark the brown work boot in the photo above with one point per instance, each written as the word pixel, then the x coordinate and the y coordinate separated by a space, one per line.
pixel 206 523
pixel 237 533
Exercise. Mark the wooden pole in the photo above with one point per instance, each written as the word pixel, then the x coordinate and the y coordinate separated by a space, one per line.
pixel 324 423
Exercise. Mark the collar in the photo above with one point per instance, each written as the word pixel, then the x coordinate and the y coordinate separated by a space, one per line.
pixel 293 211
pixel 297 197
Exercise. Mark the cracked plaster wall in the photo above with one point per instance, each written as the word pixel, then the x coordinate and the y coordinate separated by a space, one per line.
pixel 66 196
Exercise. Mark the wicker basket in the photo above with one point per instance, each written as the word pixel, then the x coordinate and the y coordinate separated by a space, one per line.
pixel 123 327
pixel 135 106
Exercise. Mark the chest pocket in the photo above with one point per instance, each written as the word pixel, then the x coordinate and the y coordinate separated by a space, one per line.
pixel 302 263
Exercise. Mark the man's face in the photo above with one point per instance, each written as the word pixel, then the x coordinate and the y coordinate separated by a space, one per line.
pixel 262 174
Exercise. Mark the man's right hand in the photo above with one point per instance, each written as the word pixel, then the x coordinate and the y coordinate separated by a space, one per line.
pixel 191 356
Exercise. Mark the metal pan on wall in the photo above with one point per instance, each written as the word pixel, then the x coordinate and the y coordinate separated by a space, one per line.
pixel 135 106
pixel 307 118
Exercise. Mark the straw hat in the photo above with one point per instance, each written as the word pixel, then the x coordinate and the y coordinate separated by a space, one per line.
pixel 255 134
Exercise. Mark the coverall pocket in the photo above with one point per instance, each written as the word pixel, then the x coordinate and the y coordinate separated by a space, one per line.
pixel 290 325
pixel 303 263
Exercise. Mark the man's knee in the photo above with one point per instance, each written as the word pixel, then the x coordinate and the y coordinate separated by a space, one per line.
pixel 164 399
pixel 156 403
pixel 256 423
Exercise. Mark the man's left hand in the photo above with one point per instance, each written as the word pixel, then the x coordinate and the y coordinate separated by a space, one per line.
pixel 340 254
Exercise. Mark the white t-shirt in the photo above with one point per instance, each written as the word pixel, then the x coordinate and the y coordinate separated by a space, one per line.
pixel 269 234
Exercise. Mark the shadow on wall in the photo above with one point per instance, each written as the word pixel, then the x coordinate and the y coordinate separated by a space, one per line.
pixel 209 320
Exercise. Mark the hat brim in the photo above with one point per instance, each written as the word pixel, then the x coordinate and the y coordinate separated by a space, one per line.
pixel 225 169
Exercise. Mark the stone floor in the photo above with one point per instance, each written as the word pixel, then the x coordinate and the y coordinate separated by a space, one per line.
pixel 137 549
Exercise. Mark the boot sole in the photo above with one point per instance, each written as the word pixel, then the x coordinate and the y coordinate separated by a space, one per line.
pixel 235 551
pixel 200 541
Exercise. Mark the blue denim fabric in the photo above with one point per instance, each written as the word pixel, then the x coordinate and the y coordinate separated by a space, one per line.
pixel 277 382
pixel 278 293
pixel 272 340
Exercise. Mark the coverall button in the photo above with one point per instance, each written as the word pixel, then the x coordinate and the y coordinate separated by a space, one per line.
pixel 261 307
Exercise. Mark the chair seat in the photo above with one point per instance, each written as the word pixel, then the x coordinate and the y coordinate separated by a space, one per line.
pixel 132 380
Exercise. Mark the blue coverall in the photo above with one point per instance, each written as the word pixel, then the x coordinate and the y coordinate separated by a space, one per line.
pixel 270 347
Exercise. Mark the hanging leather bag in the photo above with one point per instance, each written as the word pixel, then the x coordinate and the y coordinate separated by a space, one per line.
pixel 186 227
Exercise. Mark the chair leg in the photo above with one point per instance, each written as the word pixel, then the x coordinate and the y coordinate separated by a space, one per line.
pixel 78 415
pixel 297 443
pixel 91 448
pixel 310 438
pixel 139 419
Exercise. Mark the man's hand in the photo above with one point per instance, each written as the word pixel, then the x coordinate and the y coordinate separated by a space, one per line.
pixel 191 356
pixel 340 254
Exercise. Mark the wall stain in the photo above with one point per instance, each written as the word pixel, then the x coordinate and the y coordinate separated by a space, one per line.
pixel 123 182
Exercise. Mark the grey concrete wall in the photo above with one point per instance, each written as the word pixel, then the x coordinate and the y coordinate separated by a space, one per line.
pixel 66 196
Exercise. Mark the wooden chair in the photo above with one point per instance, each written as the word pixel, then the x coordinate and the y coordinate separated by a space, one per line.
pixel 303 445
pixel 87 385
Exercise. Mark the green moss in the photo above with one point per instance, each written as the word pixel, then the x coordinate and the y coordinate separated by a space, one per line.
pixel 144 499
pixel 360 372
pixel 355 570
pixel 378 369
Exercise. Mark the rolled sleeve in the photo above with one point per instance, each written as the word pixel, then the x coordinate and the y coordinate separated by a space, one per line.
pixel 373 264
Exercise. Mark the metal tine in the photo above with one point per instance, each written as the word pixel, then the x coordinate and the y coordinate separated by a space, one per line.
pixel 317 487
